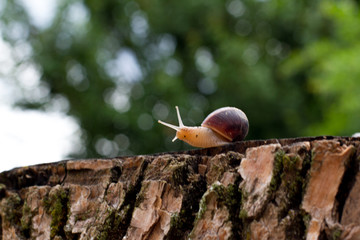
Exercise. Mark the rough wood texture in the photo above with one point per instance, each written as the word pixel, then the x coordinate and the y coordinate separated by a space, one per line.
pixel 305 188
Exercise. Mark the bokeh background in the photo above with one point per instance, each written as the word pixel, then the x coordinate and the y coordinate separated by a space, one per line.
pixel 85 79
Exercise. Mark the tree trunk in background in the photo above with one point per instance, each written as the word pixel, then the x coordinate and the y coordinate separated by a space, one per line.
pixel 305 188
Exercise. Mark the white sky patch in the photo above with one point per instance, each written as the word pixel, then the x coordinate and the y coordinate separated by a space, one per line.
pixel 33 137
pixel 41 12
pixel 29 137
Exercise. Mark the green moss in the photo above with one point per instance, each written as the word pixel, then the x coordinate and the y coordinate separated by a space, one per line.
pixel 113 222
pixel 182 223
pixel 47 203
pixel 215 190
pixel 176 221
pixel 25 220
pixel 220 191
pixel 57 205
pixel 232 199
pixel 290 182
pixel 229 197
pixel 17 213
pixel 244 196
pixel 118 221
pixel 290 163
pixel 336 233
pixel 216 171
pixel 226 196
pixel 202 208
pixel 12 209
pixel 106 226
pixel 305 173
pixel 280 157
pixel 291 177
pixel 243 214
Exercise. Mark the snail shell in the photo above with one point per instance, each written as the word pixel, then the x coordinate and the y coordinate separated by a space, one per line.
pixel 230 122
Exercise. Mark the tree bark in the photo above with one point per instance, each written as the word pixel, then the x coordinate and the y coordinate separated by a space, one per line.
pixel 303 188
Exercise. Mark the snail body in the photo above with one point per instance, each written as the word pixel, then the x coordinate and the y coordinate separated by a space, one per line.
pixel 220 127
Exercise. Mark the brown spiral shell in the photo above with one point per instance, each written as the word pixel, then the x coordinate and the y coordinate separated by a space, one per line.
pixel 229 122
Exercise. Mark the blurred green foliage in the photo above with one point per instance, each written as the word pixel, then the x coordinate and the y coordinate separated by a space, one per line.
pixel 119 66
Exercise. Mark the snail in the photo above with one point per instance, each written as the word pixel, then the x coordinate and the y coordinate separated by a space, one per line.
pixel 222 126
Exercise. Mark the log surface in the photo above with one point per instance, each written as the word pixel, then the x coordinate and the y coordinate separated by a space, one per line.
pixel 300 188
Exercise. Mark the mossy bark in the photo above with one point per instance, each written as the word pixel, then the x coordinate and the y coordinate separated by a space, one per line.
pixel 304 188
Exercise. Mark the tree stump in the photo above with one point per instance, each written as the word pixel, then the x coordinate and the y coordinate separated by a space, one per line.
pixel 302 188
